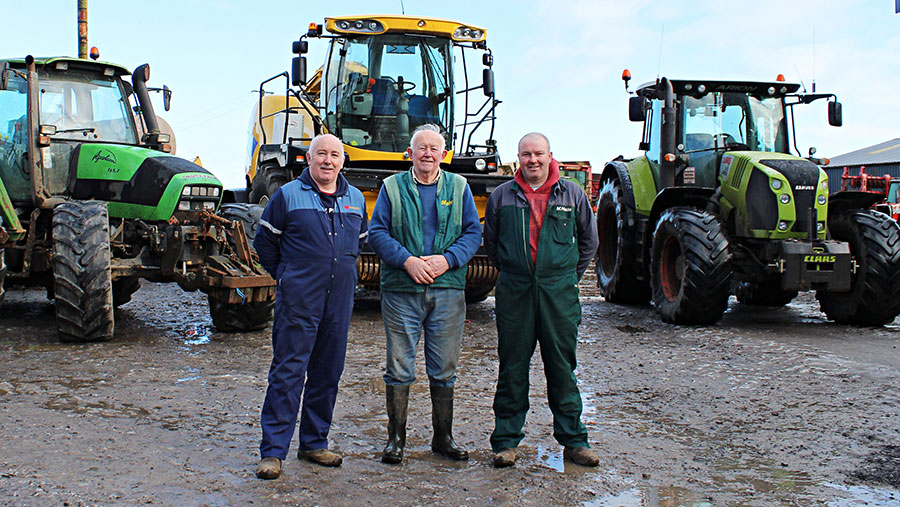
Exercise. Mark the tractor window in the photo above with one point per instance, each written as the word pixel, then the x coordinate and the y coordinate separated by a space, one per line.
pixel 13 145
pixel 893 196
pixel 379 89
pixel 733 121
pixel 86 106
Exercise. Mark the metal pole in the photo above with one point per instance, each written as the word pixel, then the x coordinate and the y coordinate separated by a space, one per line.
pixel 82 29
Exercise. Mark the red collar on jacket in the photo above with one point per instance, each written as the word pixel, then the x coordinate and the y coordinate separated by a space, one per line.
pixel 552 178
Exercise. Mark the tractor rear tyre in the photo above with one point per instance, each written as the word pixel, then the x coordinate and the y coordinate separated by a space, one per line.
pixel 765 293
pixel 2 275
pixel 123 289
pixel 82 278
pixel 690 267
pixel 237 317
pixel 250 316
pixel 616 260
pixel 874 295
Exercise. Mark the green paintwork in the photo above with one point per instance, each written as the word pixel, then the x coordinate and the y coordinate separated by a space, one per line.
pixel 643 181
pixel 112 162
pixel 8 218
pixel 734 195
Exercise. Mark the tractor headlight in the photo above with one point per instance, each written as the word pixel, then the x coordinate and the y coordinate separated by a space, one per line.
pixel 784 198
pixel 480 164
pixel 820 226
pixel 821 199
pixel 782 226
pixel 199 197
pixel 776 184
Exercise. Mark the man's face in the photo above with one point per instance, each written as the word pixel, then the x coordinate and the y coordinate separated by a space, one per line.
pixel 534 159
pixel 427 152
pixel 326 161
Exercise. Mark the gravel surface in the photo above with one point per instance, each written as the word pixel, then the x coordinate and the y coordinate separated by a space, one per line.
pixel 768 407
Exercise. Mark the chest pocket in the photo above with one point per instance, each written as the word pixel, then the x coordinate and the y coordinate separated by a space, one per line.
pixel 561 220
pixel 348 236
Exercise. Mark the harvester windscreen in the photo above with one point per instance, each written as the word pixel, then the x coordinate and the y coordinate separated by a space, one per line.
pixel 380 88
pixel 734 121
pixel 86 107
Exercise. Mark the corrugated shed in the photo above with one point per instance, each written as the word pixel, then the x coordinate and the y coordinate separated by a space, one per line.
pixel 879 160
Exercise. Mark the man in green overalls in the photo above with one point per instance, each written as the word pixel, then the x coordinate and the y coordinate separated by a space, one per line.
pixel 540 232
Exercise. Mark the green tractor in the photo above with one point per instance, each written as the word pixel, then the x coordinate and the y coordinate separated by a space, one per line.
pixel 718 205
pixel 89 207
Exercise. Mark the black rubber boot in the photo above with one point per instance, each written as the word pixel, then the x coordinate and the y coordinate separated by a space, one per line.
pixel 397 398
pixel 442 419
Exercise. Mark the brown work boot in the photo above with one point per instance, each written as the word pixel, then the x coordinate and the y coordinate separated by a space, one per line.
pixel 323 457
pixel 583 456
pixel 268 468
pixel 505 458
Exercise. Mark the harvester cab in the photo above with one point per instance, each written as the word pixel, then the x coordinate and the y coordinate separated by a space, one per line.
pixel 719 205
pixel 90 203
pixel 383 77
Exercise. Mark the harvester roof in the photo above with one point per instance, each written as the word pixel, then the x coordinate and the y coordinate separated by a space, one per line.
pixel 377 24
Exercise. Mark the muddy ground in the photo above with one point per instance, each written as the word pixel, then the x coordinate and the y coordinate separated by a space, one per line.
pixel 769 407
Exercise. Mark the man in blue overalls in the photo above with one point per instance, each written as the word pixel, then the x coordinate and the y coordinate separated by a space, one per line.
pixel 310 236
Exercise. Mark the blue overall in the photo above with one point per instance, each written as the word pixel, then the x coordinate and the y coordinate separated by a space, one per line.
pixel 309 242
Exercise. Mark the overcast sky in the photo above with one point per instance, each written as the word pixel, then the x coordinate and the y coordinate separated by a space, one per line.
pixel 557 62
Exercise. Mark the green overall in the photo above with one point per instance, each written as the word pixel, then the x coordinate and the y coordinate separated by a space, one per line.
pixel 537 302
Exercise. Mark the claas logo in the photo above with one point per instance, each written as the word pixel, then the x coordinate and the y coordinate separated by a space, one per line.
pixel 819 258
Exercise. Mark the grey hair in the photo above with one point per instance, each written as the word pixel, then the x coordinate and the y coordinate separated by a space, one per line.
pixel 534 134
pixel 315 141
pixel 427 127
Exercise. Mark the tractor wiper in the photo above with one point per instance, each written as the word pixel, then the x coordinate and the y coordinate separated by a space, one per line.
pixel 79 129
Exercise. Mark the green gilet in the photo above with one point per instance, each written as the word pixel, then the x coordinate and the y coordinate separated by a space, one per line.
pixel 406 227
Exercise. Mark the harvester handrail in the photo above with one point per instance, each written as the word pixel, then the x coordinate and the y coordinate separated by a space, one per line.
pixel 287 88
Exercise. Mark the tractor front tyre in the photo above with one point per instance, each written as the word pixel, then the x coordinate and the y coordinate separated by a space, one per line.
pixel 123 289
pixel 82 279
pixel 477 293
pixel 765 293
pixel 239 317
pixel 616 259
pixel 248 214
pixel 690 267
pixel 874 295
pixel 269 178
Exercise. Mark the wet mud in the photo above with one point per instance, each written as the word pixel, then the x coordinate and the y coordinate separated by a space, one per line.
pixel 769 407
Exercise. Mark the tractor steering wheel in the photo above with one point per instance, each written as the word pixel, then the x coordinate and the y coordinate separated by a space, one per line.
pixel 403 86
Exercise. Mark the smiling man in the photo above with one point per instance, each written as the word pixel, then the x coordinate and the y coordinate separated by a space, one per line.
pixel 540 232
pixel 425 228
pixel 310 236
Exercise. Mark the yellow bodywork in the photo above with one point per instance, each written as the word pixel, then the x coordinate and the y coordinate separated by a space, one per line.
pixel 409 24
pixel 273 112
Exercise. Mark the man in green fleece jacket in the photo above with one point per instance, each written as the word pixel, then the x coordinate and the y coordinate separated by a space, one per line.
pixel 540 232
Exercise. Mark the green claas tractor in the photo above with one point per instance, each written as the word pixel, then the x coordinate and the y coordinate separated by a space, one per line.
pixel 88 207
pixel 717 205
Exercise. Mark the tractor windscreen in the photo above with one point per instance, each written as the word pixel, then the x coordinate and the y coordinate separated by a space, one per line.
pixel 377 90
pixel 85 106
pixel 734 121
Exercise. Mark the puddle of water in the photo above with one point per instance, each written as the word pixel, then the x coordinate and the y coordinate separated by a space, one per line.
pixel 863 495
pixel 551 458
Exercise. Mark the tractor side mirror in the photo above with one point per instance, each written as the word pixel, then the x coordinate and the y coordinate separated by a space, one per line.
pixel 835 115
pixel 298 70
pixel 487 76
pixel 167 97
pixel 636 111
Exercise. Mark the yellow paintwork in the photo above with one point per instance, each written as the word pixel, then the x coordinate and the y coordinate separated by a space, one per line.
pixel 270 105
pixel 408 24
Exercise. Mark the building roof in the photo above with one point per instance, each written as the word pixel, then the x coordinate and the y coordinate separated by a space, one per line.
pixel 887 152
